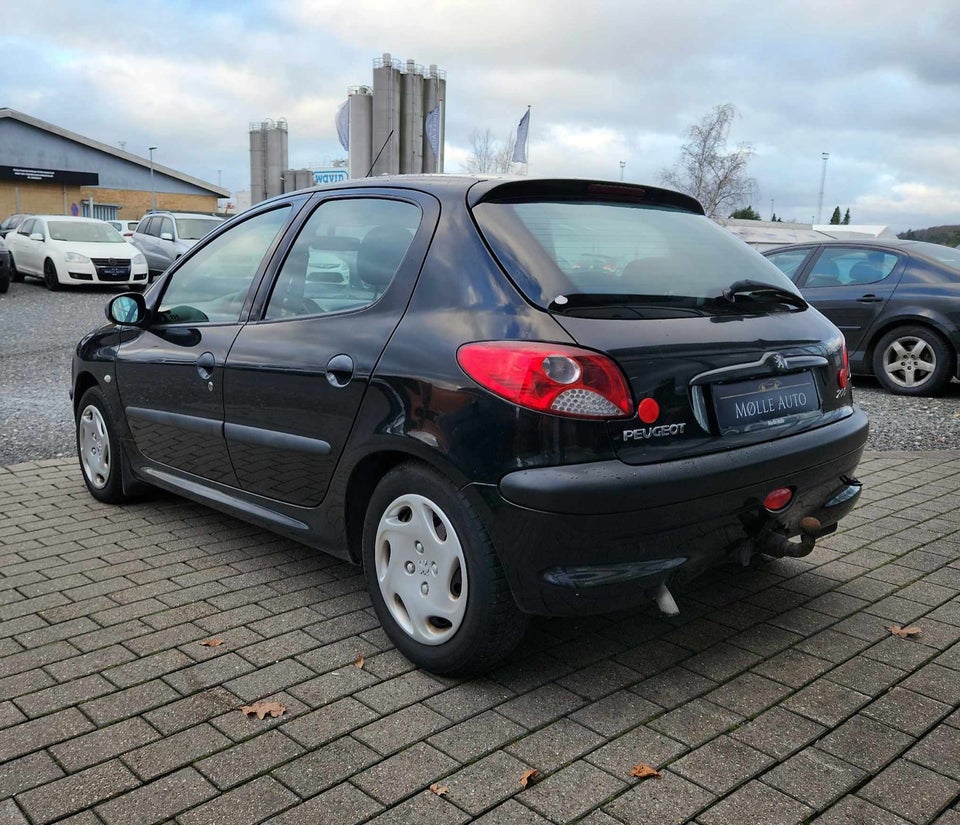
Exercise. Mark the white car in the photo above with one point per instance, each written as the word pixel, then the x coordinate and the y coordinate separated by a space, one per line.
pixel 66 250
pixel 125 228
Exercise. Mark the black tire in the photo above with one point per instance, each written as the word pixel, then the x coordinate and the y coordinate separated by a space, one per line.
pixel 98 448
pixel 15 275
pixel 50 275
pixel 913 360
pixel 490 626
pixel 4 280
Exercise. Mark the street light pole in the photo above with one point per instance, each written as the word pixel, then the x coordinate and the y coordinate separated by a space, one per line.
pixel 823 180
pixel 623 163
pixel 153 191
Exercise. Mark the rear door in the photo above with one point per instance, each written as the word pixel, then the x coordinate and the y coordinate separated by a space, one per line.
pixel 851 285
pixel 295 379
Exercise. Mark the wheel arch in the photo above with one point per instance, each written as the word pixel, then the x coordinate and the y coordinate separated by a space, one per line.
pixel 367 473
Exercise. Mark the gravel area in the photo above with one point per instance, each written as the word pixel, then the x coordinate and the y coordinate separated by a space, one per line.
pixel 39 330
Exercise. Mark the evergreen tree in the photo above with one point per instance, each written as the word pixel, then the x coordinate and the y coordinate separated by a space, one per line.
pixel 846 217
pixel 835 217
pixel 747 214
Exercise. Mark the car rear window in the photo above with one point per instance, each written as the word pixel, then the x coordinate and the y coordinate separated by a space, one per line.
pixel 565 248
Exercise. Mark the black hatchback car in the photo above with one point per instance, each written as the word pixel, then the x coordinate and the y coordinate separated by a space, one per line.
pixel 488 428
pixel 896 302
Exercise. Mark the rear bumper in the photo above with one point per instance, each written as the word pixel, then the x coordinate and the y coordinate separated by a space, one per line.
pixel 597 537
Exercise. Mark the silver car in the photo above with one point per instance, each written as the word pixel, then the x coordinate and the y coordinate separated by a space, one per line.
pixel 164 236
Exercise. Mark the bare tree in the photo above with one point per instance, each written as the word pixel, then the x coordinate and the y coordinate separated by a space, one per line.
pixel 488 156
pixel 708 170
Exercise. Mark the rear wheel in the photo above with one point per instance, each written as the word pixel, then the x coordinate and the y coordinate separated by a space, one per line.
pixel 913 360
pixel 434 577
pixel 50 275
pixel 4 279
pixel 15 275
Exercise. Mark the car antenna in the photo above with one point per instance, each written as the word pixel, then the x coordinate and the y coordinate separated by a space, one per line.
pixel 379 153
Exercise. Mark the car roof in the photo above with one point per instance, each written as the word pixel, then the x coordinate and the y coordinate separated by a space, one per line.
pixel 482 187
pixel 892 243
pixel 77 218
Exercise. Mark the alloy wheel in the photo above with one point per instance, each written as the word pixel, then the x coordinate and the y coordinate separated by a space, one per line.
pixel 909 361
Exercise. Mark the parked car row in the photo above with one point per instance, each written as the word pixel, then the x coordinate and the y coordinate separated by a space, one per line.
pixel 67 250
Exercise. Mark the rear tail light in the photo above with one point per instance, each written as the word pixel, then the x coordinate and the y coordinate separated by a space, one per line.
pixel 550 378
pixel 843 377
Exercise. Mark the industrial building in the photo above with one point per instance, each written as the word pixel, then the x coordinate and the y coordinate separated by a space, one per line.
pixel 394 127
pixel 46 169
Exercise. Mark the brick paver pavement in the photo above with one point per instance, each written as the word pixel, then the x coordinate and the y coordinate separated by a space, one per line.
pixel 777 696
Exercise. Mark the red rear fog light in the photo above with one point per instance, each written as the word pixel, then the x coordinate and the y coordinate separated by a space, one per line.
pixel 778 499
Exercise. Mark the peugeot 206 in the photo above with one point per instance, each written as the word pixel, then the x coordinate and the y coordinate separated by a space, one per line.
pixel 489 430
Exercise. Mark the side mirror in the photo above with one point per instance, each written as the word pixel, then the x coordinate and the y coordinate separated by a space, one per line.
pixel 36 236
pixel 166 236
pixel 129 309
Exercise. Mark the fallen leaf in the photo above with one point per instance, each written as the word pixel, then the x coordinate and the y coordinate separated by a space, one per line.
pixel 212 643
pixel 528 777
pixel 359 662
pixel 904 632
pixel 436 787
pixel 263 709
pixel 642 771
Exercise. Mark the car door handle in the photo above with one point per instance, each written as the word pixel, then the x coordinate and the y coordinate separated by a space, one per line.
pixel 340 370
pixel 869 298
pixel 205 365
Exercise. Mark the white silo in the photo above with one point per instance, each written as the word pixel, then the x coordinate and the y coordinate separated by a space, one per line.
pixel 361 130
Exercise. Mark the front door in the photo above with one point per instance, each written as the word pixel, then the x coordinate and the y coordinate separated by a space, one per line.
pixel 295 379
pixel 170 374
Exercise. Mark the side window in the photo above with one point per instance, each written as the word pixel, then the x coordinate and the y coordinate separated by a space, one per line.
pixel 212 284
pixel 345 257
pixel 26 227
pixel 146 226
pixel 843 266
pixel 790 261
pixel 166 225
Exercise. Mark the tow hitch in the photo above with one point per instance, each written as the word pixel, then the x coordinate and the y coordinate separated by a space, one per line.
pixel 778 545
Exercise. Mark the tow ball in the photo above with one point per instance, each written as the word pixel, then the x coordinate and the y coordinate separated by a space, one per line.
pixel 778 545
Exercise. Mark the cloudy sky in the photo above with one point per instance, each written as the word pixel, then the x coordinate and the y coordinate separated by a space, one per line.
pixel 876 84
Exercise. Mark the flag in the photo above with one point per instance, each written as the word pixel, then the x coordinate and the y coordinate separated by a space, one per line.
pixel 432 128
pixel 343 124
pixel 520 147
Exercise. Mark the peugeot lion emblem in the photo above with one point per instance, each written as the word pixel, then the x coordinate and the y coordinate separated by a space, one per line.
pixel 779 362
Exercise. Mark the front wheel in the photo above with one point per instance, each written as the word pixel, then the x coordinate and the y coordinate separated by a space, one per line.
pixel 434 577
pixel 15 275
pixel 50 275
pixel 98 448
pixel 4 279
pixel 913 360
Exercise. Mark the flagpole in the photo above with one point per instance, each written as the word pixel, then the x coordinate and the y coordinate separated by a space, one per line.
pixel 526 154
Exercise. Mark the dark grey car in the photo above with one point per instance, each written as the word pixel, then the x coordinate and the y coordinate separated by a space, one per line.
pixel 896 302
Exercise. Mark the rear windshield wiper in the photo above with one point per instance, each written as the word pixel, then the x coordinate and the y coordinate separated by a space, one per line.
pixel 583 300
pixel 761 291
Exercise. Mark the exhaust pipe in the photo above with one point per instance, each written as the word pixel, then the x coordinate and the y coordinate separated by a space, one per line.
pixel 778 546
pixel 665 601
